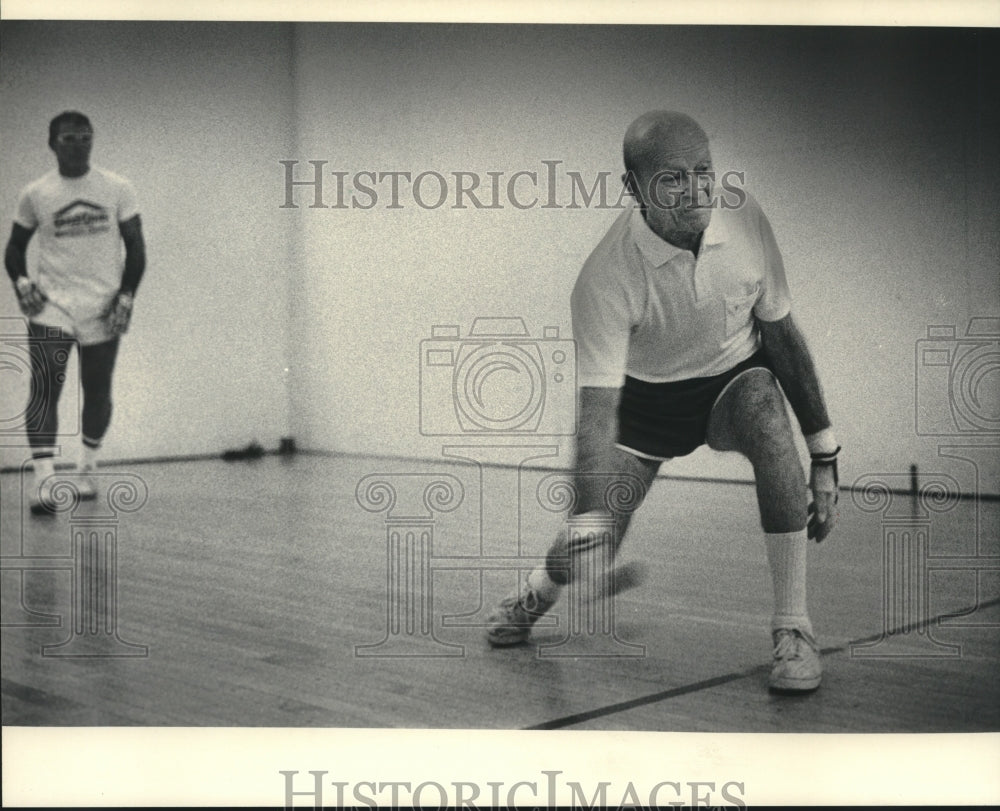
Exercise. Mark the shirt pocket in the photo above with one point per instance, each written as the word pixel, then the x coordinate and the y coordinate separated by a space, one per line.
pixel 738 310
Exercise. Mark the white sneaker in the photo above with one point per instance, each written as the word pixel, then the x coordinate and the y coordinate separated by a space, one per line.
pixel 85 487
pixel 511 623
pixel 796 662
pixel 40 500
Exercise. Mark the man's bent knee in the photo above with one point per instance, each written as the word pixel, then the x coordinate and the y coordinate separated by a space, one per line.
pixel 749 415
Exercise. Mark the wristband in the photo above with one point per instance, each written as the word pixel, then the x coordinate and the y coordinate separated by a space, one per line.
pixel 827 460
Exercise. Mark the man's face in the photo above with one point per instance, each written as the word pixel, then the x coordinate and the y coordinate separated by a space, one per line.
pixel 72 145
pixel 676 190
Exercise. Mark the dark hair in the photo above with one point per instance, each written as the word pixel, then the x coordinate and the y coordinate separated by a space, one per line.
pixel 68 117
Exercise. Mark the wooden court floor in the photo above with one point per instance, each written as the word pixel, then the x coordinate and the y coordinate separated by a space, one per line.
pixel 266 594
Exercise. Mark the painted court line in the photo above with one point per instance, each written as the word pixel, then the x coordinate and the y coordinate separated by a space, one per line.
pixel 655 698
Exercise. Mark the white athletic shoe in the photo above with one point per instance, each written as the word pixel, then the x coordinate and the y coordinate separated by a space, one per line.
pixel 796 662
pixel 511 623
pixel 85 487
pixel 40 500
pixel 513 619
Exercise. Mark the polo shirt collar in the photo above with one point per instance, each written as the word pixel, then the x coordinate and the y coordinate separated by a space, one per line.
pixel 658 251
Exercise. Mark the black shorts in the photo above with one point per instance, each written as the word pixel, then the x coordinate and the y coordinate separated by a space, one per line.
pixel 664 420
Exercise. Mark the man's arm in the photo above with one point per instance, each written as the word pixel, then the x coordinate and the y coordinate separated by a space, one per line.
pixel 30 299
pixel 15 258
pixel 598 427
pixel 595 442
pixel 135 254
pixel 120 313
pixel 793 365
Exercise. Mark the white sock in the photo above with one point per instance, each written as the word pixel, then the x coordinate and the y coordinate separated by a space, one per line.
pixel 44 467
pixel 786 556
pixel 88 456
pixel 543 585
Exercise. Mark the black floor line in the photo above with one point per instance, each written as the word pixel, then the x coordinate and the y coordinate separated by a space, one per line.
pixel 654 698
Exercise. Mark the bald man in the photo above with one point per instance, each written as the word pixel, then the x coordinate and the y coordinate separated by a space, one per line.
pixel 683 326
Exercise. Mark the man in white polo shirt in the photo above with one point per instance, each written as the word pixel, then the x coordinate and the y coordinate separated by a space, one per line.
pixel 682 321
pixel 91 257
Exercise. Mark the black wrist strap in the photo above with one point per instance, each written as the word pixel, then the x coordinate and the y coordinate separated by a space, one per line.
pixel 825 458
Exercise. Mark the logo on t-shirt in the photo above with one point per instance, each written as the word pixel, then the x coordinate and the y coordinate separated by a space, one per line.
pixel 81 218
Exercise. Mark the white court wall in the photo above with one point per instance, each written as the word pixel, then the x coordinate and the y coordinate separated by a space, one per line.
pixel 872 151
pixel 196 115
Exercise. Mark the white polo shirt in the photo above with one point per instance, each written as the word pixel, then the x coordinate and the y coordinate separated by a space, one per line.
pixel 649 309
pixel 80 250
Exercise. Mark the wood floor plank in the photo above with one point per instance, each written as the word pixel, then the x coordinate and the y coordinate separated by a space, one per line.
pixel 259 588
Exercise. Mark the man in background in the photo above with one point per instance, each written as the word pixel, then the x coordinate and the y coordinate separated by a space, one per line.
pixel 91 258
pixel 682 320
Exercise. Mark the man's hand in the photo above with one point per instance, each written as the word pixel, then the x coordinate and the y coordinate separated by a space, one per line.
pixel 120 313
pixel 823 482
pixel 30 298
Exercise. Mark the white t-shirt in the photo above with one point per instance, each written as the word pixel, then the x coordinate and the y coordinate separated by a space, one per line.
pixel 80 251
pixel 649 309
